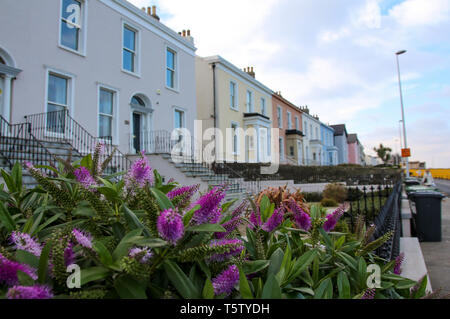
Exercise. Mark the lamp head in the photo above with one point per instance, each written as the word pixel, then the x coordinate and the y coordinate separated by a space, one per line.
pixel 400 52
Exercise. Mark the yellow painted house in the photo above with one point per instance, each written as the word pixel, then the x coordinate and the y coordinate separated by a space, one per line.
pixel 233 101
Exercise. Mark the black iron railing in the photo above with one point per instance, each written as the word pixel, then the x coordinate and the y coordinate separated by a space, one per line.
pixel 367 201
pixel 59 126
pixel 18 144
pixel 389 219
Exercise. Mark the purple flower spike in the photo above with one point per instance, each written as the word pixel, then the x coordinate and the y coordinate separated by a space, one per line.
pixel 170 226
pixel 69 255
pixel 84 177
pixel 301 218
pixel 210 209
pixel 143 255
pixel 398 264
pixel 236 249
pixel 274 221
pixel 187 191
pixel 9 269
pixel 225 282
pixel 140 173
pixel 23 241
pixel 255 219
pixel 333 219
pixel 369 293
pixel 30 292
pixel 234 222
pixel 82 238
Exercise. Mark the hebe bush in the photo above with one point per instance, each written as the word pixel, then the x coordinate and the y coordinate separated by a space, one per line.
pixel 335 191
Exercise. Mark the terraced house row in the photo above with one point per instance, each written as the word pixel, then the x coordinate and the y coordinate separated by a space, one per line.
pixel 76 72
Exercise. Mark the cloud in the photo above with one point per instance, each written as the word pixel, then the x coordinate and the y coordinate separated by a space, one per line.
pixel 416 13
pixel 337 57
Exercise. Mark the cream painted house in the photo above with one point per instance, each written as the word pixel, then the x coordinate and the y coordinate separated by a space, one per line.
pixel 234 102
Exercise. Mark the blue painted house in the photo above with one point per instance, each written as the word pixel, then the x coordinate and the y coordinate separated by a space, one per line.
pixel 341 142
pixel 329 150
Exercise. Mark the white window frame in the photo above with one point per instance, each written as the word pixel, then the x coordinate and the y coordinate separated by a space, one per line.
pixel 279 117
pixel 235 98
pixel 176 83
pixel 235 134
pixel 263 106
pixel 137 50
pixel 183 111
pixel 249 104
pixel 115 113
pixel 70 94
pixel 82 35
pixel 281 141
pixel 289 119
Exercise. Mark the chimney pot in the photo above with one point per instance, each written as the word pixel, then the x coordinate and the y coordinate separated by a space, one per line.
pixel 149 11
pixel 188 33
pixel 184 33
pixel 143 9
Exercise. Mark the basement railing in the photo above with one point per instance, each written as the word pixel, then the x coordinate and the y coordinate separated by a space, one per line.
pixel 59 126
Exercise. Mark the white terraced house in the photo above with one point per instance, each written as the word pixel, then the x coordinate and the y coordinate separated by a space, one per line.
pixel 75 72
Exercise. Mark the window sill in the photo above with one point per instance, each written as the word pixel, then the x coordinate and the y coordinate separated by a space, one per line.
pixel 136 75
pixel 82 54
pixel 236 109
pixel 172 89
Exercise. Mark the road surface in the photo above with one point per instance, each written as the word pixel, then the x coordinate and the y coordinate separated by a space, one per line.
pixel 443 185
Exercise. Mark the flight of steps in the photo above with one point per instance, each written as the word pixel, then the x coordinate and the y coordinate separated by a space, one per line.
pixel 235 189
pixel 20 150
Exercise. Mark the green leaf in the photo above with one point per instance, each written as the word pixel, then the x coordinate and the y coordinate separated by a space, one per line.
pixel 16 174
pixel 227 205
pixel 419 293
pixel 327 239
pixel 6 218
pixel 325 290
pixel 343 286
pixel 24 279
pixel 244 287
pixel 132 220
pixel 9 181
pixel 208 290
pixel 210 228
pixel 188 216
pixel 43 262
pixel 302 264
pixel 338 243
pixel 251 267
pixel 93 274
pixel 346 258
pixel 271 289
pixel 304 290
pixel 275 261
pixel 47 222
pixel 362 272
pixel 161 198
pixel 103 253
pixel 87 162
pixel 109 193
pixel 180 281
pixel 150 242
pixel 129 288
pixel 25 257
pixel 405 284
pixel 264 207
pixel 27 227
pixel 125 244
pixel 285 265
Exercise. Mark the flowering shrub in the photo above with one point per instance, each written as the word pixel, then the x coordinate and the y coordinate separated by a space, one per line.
pixel 137 237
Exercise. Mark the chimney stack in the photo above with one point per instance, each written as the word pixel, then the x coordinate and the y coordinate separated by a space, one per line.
pixel 187 34
pixel 250 72
pixel 154 15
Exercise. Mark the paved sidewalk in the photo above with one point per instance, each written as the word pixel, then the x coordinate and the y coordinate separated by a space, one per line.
pixel 437 255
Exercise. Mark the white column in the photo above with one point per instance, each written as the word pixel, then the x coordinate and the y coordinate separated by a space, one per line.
pixel 7 98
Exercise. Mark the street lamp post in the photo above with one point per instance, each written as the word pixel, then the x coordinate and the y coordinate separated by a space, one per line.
pixel 403 111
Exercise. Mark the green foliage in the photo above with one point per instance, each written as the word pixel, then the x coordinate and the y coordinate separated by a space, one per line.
pixel 328 202
pixel 335 191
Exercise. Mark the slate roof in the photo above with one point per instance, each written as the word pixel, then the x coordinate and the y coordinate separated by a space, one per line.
pixel 339 129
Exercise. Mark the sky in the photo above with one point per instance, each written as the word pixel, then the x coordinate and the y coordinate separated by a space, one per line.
pixel 338 57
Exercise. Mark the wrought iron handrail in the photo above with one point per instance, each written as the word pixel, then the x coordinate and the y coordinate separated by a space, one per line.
pixel 60 126
pixel 18 144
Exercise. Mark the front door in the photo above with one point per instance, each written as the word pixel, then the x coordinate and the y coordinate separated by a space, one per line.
pixel 137 132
